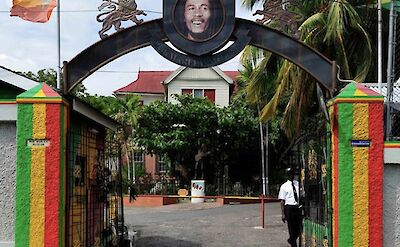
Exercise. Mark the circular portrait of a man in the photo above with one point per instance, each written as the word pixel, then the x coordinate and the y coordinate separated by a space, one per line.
pixel 198 20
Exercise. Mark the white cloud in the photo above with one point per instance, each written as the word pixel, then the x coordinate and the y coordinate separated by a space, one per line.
pixel 27 46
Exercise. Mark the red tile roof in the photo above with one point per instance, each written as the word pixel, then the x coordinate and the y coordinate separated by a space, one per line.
pixel 232 74
pixel 150 82
pixel 147 82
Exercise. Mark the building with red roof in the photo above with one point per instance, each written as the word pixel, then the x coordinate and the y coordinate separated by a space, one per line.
pixel 211 83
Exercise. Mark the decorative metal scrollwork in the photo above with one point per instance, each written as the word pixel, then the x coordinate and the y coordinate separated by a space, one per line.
pixel 281 12
pixel 325 242
pixel 312 165
pixel 323 170
pixel 117 12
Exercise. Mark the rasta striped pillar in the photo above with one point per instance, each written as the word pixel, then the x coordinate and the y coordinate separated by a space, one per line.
pixel 357 167
pixel 40 193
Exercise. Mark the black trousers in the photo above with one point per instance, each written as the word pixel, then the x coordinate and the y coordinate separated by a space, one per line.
pixel 294 222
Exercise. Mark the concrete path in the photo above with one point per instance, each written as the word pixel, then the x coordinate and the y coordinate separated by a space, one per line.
pixel 207 224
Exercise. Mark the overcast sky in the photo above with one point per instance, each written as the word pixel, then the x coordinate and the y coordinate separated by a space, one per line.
pixel 27 46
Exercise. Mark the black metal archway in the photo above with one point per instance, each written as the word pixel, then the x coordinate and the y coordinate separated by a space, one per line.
pixel 245 32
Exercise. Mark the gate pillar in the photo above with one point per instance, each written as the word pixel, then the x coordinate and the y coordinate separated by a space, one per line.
pixel 40 190
pixel 357 167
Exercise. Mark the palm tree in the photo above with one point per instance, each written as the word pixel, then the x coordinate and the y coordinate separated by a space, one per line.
pixel 332 27
pixel 126 111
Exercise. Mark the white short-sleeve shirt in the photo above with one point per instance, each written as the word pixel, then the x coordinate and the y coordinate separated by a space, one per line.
pixel 286 192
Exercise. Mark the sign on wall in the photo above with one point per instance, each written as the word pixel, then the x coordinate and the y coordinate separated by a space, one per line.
pixel 360 143
pixel 38 143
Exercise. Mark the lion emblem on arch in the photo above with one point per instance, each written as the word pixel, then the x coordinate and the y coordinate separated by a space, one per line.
pixel 277 10
pixel 117 12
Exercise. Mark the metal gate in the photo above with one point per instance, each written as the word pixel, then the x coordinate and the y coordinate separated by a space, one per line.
pixel 314 156
pixel 94 210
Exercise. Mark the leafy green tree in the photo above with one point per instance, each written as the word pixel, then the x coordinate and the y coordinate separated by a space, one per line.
pixel 182 131
pixel 336 30
pixel 125 111
pixel 177 130
pixel 49 76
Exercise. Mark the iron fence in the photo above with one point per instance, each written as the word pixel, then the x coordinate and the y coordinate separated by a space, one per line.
pixel 392 122
pixel 394 130
pixel 171 187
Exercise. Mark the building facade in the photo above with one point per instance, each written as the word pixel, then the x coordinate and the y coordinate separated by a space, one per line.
pixel 211 83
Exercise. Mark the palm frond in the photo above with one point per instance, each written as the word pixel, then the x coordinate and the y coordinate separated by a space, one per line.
pixel 270 108
pixel 335 24
pixel 255 89
pixel 364 55
pixel 252 55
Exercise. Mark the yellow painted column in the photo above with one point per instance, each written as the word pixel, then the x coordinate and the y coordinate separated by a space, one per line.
pixel 37 178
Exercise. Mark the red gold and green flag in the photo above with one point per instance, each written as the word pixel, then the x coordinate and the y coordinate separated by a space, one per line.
pixel 33 10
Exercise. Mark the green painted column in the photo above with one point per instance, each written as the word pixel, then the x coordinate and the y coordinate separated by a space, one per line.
pixel 357 167
pixel 40 186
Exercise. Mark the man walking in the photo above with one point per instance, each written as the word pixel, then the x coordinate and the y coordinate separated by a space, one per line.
pixel 290 207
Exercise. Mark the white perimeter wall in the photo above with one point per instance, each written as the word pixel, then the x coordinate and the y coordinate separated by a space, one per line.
pixel 391 207
pixel 392 155
pixel 8 153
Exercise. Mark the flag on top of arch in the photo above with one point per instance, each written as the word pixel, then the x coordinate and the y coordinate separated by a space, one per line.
pixel 33 10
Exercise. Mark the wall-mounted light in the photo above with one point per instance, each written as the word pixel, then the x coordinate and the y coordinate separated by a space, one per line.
pixel 93 130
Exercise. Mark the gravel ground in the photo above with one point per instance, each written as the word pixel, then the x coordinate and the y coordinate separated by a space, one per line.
pixel 207 224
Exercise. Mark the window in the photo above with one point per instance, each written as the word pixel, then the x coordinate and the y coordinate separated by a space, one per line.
pixel 210 94
pixel 200 93
pixel 161 164
pixel 187 91
pixel 138 158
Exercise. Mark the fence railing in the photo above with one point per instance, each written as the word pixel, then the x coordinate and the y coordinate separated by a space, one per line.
pixel 171 187
pixel 157 188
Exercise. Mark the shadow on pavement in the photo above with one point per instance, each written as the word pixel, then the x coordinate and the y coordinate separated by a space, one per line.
pixel 162 241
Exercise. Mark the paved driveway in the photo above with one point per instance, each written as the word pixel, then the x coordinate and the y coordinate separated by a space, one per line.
pixel 207 224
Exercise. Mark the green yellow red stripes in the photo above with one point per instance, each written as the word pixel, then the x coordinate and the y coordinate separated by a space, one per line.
pixel 39 202
pixel 376 175
pixel 52 200
pixel 345 175
pixel 335 179
pixel 356 90
pixel 358 100
pixel 360 177
pixel 39 101
pixel 392 144
pixel 40 91
pixel 36 236
pixel 357 171
pixel 7 102
pixel 23 183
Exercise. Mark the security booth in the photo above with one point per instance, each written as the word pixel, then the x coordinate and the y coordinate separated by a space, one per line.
pixel 68 176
